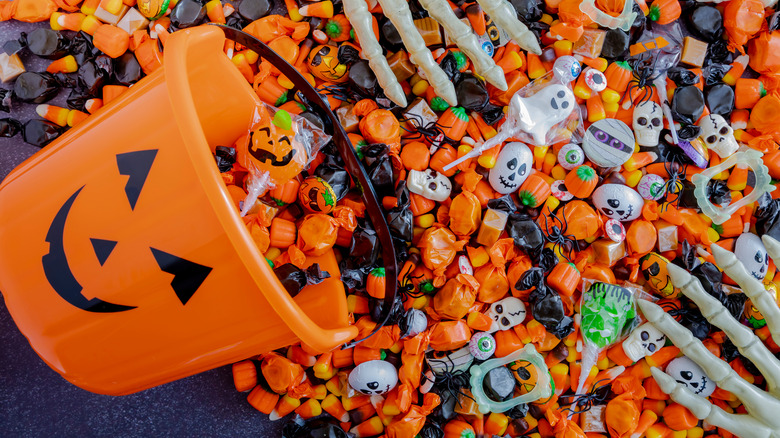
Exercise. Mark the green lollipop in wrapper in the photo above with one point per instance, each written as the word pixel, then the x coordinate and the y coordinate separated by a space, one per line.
pixel 606 309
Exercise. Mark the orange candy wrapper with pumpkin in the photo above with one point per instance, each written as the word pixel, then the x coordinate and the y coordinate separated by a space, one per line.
pixel 278 147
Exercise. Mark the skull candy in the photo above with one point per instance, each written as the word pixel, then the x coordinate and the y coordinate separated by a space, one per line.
pixel 718 135
pixel 648 122
pixel 506 314
pixel 750 250
pixel 513 165
pixel 643 341
pixel 429 184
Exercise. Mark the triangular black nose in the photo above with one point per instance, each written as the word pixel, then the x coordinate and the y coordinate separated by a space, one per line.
pixel 511 177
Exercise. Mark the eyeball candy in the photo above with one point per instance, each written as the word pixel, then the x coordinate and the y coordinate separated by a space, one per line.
pixel 615 230
pixel 513 165
pixel 608 143
pixel 482 345
pixel 558 189
pixel 618 202
pixel 686 372
pixel 750 250
pixel 595 80
pixel 566 68
pixel 651 187
pixel 571 156
pixel 374 377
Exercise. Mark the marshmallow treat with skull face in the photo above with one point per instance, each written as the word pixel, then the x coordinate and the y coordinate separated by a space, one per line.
pixel 513 165
pixel 718 135
pixel 374 377
pixel 506 314
pixel 618 202
pixel 643 341
pixel 648 122
pixel 537 114
pixel 686 372
pixel 750 250
pixel 429 184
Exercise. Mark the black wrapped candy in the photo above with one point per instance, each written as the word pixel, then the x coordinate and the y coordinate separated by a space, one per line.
pixel 720 99
pixel 706 22
pixel 472 93
pixel 47 43
pixel 294 278
pixel 687 104
pixel 40 132
pixel 188 13
pixel 9 127
pixel 34 87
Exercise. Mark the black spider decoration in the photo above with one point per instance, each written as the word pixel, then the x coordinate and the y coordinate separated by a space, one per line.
pixel 583 402
pixel 406 287
pixel 452 381
pixel 557 235
pixel 673 187
pixel 644 74
pixel 431 132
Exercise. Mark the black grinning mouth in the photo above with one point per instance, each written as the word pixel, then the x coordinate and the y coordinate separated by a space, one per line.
pixel 504 183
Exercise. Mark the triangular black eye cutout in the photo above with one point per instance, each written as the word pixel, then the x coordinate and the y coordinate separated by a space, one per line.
pixel 136 165
pixel 103 249
pixel 187 275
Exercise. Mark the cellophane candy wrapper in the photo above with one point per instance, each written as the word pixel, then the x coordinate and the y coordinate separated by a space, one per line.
pixel 277 147
pixel 545 111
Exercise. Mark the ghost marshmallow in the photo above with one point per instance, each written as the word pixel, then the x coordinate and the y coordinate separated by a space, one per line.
pixel 645 340
pixel 686 372
pixel 618 202
pixel 718 135
pixel 537 114
pixel 648 122
pixel 750 250
pixel 513 165
pixel 429 184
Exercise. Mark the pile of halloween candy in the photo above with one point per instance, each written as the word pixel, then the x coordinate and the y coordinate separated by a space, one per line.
pixel 532 213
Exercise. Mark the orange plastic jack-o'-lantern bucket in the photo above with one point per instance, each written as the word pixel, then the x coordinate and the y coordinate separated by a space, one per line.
pixel 125 262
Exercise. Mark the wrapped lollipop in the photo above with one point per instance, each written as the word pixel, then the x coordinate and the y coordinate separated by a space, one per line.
pixel 542 112
pixel 278 147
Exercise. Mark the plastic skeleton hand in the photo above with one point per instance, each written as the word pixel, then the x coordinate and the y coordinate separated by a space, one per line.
pixel 763 407
pixel 397 11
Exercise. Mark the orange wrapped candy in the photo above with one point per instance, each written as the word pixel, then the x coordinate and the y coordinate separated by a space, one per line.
pixel 282 374
pixel 516 269
pixel 621 416
pixel 492 276
pixel 641 237
pixel 412 423
pixel 742 19
pixel 581 220
pixel 465 214
pixel 562 426
pixel 273 26
pixel 317 234
pixel 456 297
pixel 438 246
pixel 381 126
pixel 764 51
pixel 765 116
pixel 412 358
pixel 449 335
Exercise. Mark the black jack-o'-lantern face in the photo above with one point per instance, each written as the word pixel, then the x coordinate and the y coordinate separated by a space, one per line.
pixel 331 63
pixel 272 147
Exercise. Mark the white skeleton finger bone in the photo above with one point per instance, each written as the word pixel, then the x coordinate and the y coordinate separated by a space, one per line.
pixel 358 15
pixel 757 402
pixel 743 425
pixel 505 16
pixel 753 288
pixel 767 305
pixel 743 338
pixel 464 38
pixel 397 11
